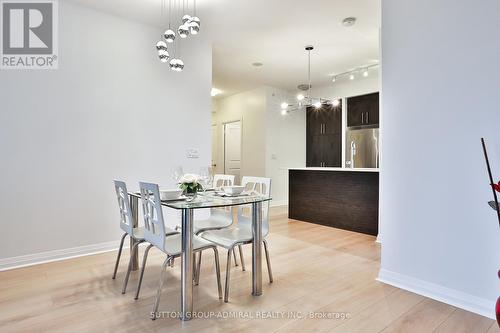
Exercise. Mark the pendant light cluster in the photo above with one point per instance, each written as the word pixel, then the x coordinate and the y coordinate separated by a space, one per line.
pixel 188 25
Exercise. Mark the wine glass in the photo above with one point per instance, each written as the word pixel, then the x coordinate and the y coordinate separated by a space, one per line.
pixel 176 173
pixel 205 177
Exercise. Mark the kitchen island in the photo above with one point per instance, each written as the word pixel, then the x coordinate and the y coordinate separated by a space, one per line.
pixel 338 197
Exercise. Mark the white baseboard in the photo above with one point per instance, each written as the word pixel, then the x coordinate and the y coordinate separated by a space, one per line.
pixel 481 306
pixel 56 255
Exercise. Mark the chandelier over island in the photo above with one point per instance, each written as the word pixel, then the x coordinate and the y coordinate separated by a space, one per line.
pixel 305 100
pixel 187 25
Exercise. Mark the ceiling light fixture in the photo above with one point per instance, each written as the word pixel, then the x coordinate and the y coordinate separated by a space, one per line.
pixel 284 105
pixel 352 74
pixel 349 21
pixel 188 25
pixel 305 99
pixel 335 102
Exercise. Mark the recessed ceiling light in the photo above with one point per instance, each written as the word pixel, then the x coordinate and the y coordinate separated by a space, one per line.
pixel 348 21
pixel 257 64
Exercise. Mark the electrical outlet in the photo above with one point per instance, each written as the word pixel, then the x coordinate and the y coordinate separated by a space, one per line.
pixel 193 153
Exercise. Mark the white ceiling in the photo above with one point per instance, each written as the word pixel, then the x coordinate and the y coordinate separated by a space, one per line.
pixel 274 32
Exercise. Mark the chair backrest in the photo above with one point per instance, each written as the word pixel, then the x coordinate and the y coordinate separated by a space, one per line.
pixel 261 186
pixel 223 180
pixel 154 225
pixel 126 219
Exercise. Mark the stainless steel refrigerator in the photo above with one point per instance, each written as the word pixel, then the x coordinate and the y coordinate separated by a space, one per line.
pixel 362 148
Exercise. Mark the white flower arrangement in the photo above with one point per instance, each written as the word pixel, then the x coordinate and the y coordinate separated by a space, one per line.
pixel 189 183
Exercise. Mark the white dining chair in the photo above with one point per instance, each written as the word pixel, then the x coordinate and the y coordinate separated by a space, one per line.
pixel 241 233
pixel 219 217
pixel 126 224
pixel 154 233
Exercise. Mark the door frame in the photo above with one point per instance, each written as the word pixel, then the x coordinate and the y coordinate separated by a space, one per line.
pixel 224 123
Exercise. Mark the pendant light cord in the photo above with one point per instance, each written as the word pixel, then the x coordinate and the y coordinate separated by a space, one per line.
pixel 309 73
pixel 169 13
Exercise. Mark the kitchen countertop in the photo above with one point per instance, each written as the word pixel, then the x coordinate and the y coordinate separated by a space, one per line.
pixel 338 169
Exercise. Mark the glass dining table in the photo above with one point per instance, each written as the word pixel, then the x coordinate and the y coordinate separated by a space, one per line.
pixel 205 200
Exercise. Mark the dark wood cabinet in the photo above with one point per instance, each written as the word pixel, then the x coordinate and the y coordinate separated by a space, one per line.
pixel 363 110
pixel 324 136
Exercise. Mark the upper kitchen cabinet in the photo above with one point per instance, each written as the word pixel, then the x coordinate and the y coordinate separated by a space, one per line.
pixel 324 136
pixel 363 110
pixel 324 120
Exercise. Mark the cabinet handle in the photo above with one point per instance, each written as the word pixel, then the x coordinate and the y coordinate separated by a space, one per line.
pixel 367 118
pixel 362 118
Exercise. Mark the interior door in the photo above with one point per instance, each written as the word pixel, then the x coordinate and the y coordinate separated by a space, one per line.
pixel 232 149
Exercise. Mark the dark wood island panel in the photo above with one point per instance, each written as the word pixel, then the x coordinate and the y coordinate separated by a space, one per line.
pixel 340 199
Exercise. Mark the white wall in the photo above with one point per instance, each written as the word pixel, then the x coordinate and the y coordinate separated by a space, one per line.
pixel 250 108
pixel 440 88
pixel 111 110
pixel 285 143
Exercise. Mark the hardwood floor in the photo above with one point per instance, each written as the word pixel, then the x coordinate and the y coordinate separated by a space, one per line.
pixel 316 269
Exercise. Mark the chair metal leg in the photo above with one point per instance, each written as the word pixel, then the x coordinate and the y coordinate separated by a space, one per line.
pixel 235 259
pixel 119 254
pixel 228 273
pixel 217 271
pixel 269 270
pixel 142 270
pixel 198 269
pixel 240 249
pixel 130 263
pixel 194 268
pixel 160 286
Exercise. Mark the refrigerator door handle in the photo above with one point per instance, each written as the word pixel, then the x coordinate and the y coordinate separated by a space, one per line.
pixel 362 118
pixel 367 118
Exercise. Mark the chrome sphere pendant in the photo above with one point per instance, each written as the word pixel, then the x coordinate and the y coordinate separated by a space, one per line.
pixel 186 18
pixel 161 46
pixel 183 31
pixel 169 36
pixel 180 65
pixel 163 55
pixel 194 28
pixel 196 19
pixel 176 65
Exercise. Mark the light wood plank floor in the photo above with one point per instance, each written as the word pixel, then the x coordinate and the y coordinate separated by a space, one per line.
pixel 317 269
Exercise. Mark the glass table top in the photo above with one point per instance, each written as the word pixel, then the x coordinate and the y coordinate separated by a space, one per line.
pixel 211 199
